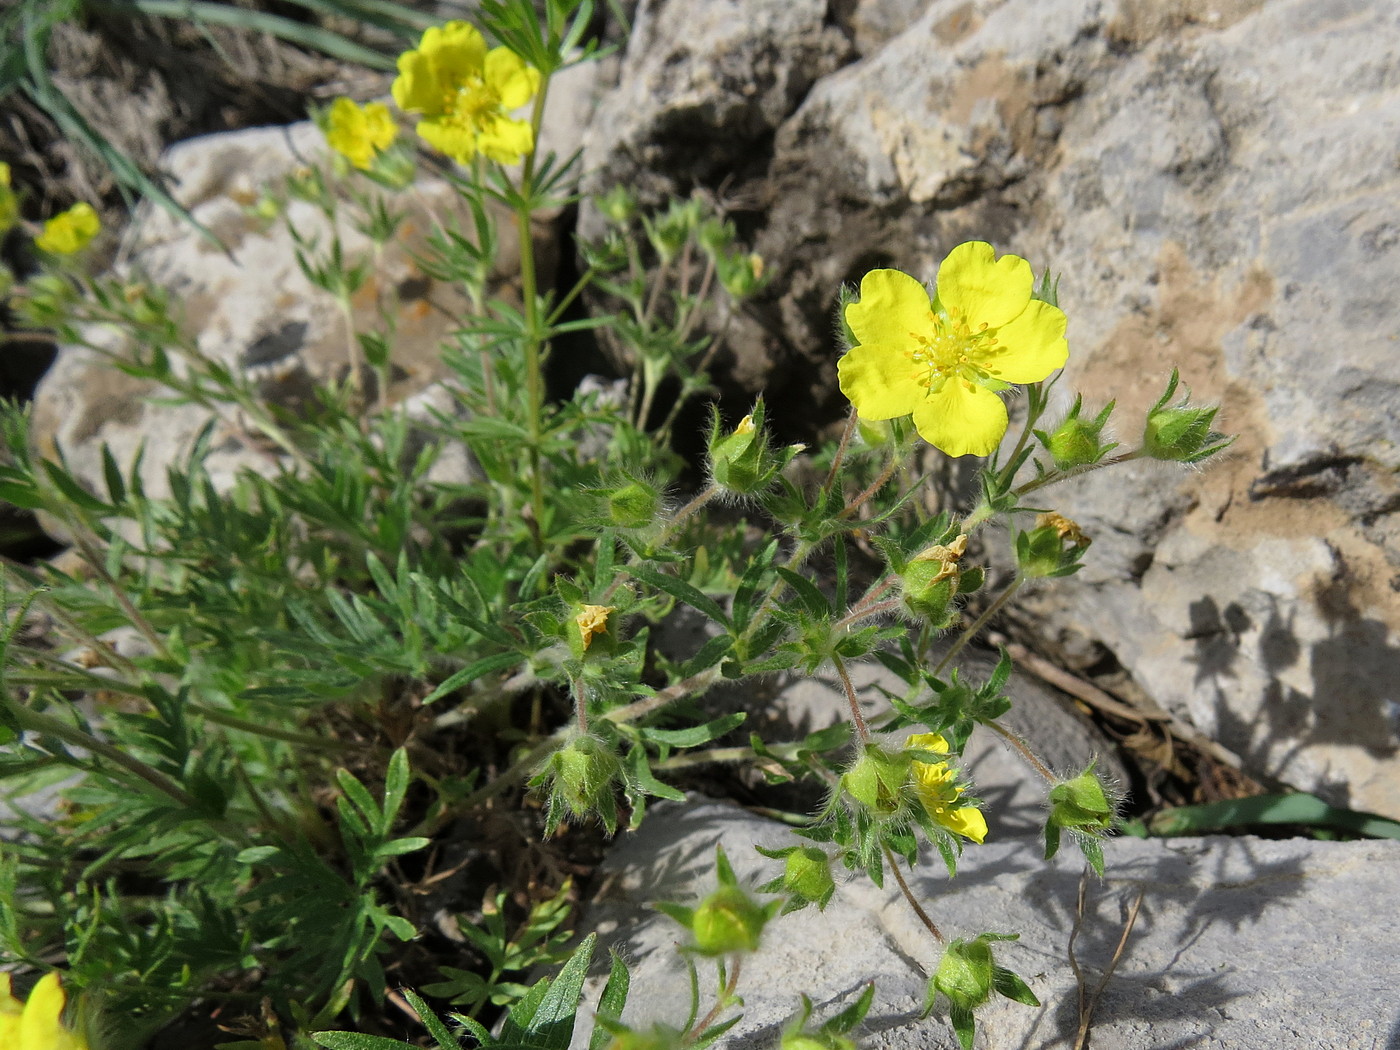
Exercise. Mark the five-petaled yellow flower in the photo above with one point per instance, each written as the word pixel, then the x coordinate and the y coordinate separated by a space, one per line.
pixel 69 232
pixel 465 94
pixel 936 785
pixel 359 133
pixel 943 360
pixel 37 1023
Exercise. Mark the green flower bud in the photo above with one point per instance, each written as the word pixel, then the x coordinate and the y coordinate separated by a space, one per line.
pixel 1082 803
pixel 633 506
pixel 1075 442
pixel 931 580
pixel 1053 548
pixel 1181 433
pixel 878 781
pixel 741 460
pixel 617 205
pixel 715 236
pixel 807 874
pixel 1085 806
pixel 964 974
pixel 583 772
pixel 740 274
pixel 728 920
pixel 608 255
pixel 658 1037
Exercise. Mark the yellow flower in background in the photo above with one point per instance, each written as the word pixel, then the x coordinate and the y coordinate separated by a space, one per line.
pixel 69 231
pixel 359 133
pixel 36 1024
pixel 943 360
pixel 936 785
pixel 465 94
pixel 9 206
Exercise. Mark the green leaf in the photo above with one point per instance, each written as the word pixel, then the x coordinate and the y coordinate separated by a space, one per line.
pixel 695 735
pixel 1010 985
pixel 479 669
pixel 431 1022
pixel 680 590
pixel 611 1002
pixel 545 1017
pixel 357 1041
pixel 1294 808
pixel 812 598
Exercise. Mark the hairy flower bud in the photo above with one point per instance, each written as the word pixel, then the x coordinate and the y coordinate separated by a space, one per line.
pixel 633 506
pixel 1181 433
pixel 932 579
pixel 878 780
pixel 1076 442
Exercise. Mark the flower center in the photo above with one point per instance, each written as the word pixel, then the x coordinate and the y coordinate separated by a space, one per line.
pixel 472 102
pixel 948 349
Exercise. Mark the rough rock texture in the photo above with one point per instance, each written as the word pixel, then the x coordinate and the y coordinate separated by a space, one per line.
pixel 1217 181
pixel 251 309
pixel 1228 949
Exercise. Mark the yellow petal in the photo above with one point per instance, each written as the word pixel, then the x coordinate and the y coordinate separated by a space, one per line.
pixel 967 822
pixel 417 89
pixel 448 138
pixel 39 1024
pixel 508 75
pixel 380 128
pixel 1031 346
pixel 976 287
pixel 962 419
pixel 928 742
pixel 505 140
pixel 878 379
pixel 457 51
pixel 69 231
pixel 892 307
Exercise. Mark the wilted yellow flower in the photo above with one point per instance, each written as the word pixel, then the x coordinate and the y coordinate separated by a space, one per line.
pixel 937 788
pixel 465 94
pixel 943 360
pixel 70 231
pixel 9 206
pixel 37 1023
pixel 947 557
pixel 591 620
pixel 1066 528
pixel 359 133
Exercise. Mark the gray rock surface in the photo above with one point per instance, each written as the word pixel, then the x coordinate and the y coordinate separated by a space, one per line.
pixel 1217 182
pixel 1239 942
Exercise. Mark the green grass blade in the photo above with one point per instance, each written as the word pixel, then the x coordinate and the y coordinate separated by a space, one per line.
pixel 1299 808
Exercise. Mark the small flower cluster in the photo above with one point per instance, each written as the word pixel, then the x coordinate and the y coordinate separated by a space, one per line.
pixel 463 94
pixel 67 233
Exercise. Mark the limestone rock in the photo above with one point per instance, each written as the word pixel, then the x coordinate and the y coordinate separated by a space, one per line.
pixel 1239 942
pixel 1217 183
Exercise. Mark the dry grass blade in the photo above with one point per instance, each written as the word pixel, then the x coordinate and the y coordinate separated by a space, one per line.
pixel 1088 1000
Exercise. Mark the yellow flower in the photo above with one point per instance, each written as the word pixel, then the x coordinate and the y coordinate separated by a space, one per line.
pixel 36 1024
pixel 9 206
pixel 936 785
pixel 465 94
pixel 359 133
pixel 70 231
pixel 591 620
pixel 943 360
